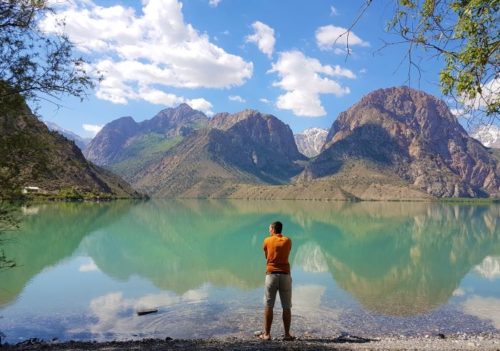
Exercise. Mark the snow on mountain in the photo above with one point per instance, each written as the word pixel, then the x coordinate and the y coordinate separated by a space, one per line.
pixel 310 141
pixel 489 136
pixel 79 141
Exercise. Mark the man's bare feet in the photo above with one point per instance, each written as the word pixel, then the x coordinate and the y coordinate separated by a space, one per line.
pixel 289 337
pixel 265 337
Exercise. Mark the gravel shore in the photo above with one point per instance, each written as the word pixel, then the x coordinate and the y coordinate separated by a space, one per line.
pixel 487 342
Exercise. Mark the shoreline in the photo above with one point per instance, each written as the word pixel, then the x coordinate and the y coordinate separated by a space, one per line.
pixel 46 200
pixel 459 341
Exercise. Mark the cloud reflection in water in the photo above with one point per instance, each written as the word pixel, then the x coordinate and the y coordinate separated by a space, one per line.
pixel 116 314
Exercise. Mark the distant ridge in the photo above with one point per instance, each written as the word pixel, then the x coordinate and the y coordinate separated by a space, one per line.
pixel 394 144
pixel 242 148
pixel 79 141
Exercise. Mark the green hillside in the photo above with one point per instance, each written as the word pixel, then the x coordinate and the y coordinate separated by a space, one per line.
pixel 141 152
pixel 54 167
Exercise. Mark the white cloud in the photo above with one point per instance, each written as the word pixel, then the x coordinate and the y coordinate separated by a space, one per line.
pixel 489 268
pixel 155 48
pixel 201 105
pixel 115 313
pixel 333 11
pixel 331 37
pixel 92 128
pixel 457 112
pixel 159 97
pixel 264 100
pixel 490 93
pixel 214 3
pixel 88 267
pixel 236 98
pixel 263 37
pixel 304 79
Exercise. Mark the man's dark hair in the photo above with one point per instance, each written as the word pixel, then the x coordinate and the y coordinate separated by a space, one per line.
pixel 277 227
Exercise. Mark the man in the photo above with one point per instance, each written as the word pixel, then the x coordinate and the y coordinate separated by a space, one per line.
pixel 277 248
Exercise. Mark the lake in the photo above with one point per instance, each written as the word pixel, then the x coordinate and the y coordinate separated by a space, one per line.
pixel 369 268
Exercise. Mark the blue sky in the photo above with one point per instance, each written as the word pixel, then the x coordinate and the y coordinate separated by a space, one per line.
pixel 276 56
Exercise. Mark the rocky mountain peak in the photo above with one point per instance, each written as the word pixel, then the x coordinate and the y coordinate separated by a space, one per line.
pixel 417 136
pixel 225 120
pixel 262 129
pixel 122 122
pixel 107 143
pixel 110 144
pixel 417 111
pixel 171 118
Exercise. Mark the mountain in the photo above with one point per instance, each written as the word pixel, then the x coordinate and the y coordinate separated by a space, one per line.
pixel 489 136
pixel 79 141
pixel 243 148
pixel 126 147
pixel 32 155
pixel 412 136
pixel 396 143
pixel 310 141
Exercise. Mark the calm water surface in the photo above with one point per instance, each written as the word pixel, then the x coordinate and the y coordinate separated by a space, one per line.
pixel 370 268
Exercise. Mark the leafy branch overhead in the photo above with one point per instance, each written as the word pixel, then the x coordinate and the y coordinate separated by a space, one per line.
pixel 465 33
pixel 35 64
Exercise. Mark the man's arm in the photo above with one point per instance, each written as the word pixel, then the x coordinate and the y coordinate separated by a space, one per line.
pixel 264 247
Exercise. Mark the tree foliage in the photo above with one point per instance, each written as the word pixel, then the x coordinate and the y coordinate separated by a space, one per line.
pixel 8 221
pixel 465 33
pixel 34 64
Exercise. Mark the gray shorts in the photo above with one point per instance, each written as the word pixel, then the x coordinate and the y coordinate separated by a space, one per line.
pixel 281 283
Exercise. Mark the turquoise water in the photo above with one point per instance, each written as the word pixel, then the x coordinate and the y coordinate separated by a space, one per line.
pixel 370 269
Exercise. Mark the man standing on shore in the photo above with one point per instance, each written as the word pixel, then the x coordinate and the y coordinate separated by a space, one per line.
pixel 277 248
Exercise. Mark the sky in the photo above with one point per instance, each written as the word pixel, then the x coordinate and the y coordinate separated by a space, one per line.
pixel 286 58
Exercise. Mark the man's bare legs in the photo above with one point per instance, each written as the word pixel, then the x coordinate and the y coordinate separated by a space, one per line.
pixel 268 320
pixel 287 320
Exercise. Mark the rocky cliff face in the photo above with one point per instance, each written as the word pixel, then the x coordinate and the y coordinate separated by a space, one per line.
pixel 246 147
pixel 414 135
pixel 106 146
pixel 112 143
pixel 311 141
pixel 265 146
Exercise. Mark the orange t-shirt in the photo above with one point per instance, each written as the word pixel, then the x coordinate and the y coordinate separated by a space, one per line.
pixel 277 248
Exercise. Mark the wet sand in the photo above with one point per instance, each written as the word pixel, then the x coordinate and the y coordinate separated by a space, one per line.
pixel 486 341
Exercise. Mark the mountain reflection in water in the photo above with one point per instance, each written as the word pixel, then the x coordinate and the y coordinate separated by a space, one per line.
pixel 398 259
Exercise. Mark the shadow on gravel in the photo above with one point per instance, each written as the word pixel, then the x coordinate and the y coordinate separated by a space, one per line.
pixel 344 338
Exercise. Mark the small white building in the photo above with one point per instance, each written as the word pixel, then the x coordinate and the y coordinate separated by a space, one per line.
pixel 31 189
